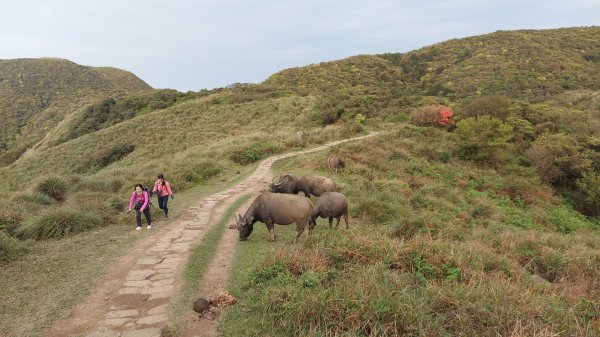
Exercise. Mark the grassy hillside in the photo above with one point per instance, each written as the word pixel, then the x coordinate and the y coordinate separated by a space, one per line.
pixel 36 94
pixel 437 247
pixel 450 219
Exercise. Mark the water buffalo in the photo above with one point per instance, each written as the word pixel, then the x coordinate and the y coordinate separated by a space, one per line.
pixel 334 163
pixel 315 185
pixel 330 205
pixel 281 209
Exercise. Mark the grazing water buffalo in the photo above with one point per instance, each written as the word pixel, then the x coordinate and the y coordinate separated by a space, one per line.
pixel 315 185
pixel 334 163
pixel 281 209
pixel 330 205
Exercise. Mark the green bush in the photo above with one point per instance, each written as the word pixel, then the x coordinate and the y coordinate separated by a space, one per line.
pixel 57 223
pixel 54 187
pixel 483 139
pixel 11 248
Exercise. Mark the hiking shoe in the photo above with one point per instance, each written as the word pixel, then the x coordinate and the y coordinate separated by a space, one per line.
pixel 166 217
pixel 138 228
pixel 149 227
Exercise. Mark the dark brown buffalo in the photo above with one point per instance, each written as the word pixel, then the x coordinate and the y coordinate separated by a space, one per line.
pixel 310 185
pixel 281 209
pixel 330 205
pixel 335 163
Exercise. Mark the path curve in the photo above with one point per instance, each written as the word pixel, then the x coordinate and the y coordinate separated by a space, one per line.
pixel 132 301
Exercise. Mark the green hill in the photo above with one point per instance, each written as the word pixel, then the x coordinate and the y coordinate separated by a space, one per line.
pixel 36 94
pixel 484 225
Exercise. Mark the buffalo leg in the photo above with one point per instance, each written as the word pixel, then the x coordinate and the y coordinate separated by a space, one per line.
pixel 304 229
pixel 330 221
pixel 338 221
pixel 346 219
pixel 271 228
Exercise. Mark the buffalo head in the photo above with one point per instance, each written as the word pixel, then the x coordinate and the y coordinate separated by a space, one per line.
pixel 282 185
pixel 244 226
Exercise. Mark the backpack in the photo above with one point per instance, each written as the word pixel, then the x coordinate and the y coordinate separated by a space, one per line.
pixel 149 191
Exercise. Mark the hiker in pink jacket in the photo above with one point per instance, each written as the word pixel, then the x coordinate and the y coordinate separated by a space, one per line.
pixel 164 190
pixel 139 201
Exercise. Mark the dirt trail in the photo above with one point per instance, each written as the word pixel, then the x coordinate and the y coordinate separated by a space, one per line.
pixel 133 299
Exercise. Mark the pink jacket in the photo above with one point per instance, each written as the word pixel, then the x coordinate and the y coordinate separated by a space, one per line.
pixel 132 200
pixel 164 190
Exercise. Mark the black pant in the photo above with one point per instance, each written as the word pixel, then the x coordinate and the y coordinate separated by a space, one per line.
pixel 162 203
pixel 138 217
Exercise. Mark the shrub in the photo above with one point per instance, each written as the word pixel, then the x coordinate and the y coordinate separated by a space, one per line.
pixel 11 248
pixel 558 159
pixel 483 139
pixel 589 184
pixel 54 187
pixel 431 115
pixel 57 223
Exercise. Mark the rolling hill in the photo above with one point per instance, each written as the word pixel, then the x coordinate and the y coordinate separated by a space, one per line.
pixel 37 94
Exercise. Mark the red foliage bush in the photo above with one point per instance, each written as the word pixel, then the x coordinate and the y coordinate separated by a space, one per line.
pixel 438 116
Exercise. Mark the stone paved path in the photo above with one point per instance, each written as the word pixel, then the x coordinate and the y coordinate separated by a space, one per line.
pixel 138 307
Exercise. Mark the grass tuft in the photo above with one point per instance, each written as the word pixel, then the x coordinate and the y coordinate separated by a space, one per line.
pixel 57 223
pixel 54 187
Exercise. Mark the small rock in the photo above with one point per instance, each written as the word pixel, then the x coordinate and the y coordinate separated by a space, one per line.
pixel 201 305
pixel 237 172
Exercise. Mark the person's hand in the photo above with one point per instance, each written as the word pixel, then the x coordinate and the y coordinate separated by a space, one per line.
pixel 128 211
pixel 172 197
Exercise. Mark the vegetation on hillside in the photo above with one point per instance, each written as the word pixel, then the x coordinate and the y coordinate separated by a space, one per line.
pixel 36 94
pixel 438 246
pixel 477 214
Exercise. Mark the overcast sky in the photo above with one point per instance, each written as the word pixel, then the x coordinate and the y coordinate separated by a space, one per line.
pixel 191 45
